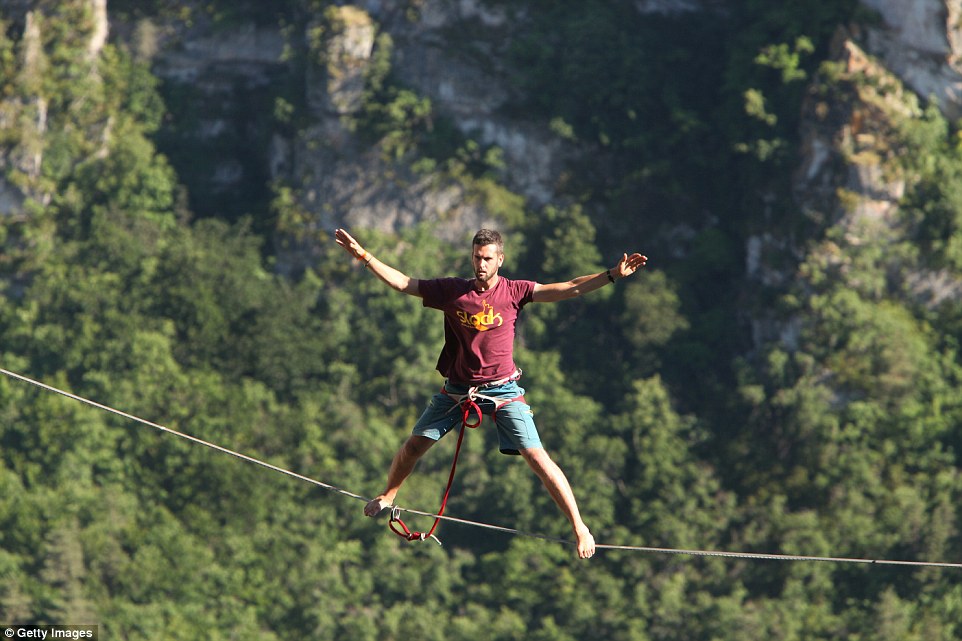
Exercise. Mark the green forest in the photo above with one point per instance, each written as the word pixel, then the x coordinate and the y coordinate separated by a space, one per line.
pixel 122 281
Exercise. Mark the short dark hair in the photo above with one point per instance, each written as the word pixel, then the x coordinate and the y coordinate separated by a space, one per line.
pixel 488 237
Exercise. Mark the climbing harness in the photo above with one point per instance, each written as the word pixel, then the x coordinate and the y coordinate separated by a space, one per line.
pixel 468 403
pixel 755 556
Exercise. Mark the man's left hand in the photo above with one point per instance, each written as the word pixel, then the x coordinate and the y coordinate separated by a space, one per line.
pixel 628 265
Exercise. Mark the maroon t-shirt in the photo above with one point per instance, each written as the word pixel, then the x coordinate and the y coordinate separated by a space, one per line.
pixel 478 326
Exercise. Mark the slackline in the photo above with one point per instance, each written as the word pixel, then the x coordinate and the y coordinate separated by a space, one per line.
pixel 498 528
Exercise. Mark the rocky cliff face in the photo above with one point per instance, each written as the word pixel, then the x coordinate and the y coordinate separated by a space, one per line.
pixel 921 42
pixel 343 182
pixel 362 189
pixel 849 182
pixel 340 180
pixel 23 108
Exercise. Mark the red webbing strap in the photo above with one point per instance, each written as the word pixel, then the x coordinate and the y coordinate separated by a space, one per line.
pixel 469 405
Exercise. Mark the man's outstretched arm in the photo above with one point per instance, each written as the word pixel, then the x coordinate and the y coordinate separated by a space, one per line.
pixel 552 292
pixel 397 280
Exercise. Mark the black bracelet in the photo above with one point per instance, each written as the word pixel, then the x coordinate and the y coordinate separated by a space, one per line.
pixel 610 277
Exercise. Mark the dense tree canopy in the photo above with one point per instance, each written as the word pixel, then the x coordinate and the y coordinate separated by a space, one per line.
pixel 675 429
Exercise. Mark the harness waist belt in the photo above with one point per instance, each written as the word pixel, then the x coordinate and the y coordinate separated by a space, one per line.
pixel 501 381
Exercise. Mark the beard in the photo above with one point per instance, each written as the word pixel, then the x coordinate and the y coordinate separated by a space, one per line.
pixel 485 277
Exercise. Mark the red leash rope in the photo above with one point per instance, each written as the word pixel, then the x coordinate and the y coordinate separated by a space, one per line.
pixel 469 405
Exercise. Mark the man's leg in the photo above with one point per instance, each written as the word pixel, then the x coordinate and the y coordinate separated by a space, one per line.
pixel 401 467
pixel 559 488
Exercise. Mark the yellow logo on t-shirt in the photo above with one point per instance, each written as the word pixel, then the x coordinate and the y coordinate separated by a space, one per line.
pixel 483 320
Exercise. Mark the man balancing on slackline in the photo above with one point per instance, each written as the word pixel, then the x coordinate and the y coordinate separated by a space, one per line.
pixel 479 328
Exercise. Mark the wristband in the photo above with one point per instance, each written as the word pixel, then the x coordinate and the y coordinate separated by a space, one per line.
pixel 361 257
pixel 610 277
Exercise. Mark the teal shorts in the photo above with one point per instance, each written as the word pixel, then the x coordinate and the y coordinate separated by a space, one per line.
pixel 516 430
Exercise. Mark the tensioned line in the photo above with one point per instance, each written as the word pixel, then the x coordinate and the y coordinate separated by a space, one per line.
pixel 600 546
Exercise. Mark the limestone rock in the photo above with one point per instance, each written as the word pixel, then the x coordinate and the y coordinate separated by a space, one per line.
pixel 921 42
pixel 346 42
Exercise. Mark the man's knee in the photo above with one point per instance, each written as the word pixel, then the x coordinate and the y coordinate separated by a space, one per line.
pixel 416 446
pixel 537 458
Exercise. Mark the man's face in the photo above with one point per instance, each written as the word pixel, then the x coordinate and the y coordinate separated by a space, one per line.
pixel 486 260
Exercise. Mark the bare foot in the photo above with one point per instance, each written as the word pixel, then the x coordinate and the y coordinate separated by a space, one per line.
pixel 375 505
pixel 586 544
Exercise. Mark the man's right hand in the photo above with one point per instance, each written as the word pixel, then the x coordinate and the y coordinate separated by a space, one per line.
pixel 351 246
pixel 395 279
